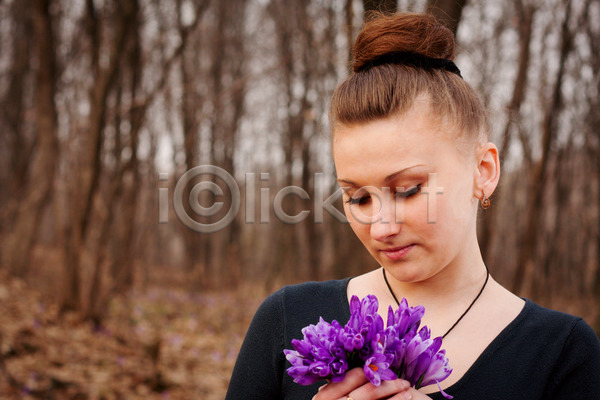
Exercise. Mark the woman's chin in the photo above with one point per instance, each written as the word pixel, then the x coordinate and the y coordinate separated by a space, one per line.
pixel 404 273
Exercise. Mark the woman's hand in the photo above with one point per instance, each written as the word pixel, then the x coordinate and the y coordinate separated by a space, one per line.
pixel 356 386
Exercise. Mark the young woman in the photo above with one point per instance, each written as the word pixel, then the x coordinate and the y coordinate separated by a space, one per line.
pixel 411 150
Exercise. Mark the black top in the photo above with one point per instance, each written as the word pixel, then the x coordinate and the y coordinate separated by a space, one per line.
pixel 541 354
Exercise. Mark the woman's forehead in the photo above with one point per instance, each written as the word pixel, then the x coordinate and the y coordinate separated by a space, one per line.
pixel 406 135
pixel 371 152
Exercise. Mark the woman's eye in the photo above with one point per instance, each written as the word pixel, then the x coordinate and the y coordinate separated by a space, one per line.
pixel 409 192
pixel 358 200
pixel 361 200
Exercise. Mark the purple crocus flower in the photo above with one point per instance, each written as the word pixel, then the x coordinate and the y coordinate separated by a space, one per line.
pixel 438 369
pixel 401 349
pixel 319 355
pixel 424 362
pixel 363 325
pixel 405 318
pixel 415 347
pixel 377 368
pixel 395 345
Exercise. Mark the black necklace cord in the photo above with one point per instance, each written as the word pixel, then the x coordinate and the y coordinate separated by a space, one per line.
pixel 389 287
pixel 487 276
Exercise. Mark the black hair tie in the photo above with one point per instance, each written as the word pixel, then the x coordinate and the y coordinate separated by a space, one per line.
pixel 411 59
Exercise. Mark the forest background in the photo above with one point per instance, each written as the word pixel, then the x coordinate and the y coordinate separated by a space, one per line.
pixel 114 284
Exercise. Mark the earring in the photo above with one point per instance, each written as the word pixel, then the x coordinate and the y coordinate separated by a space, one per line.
pixel 485 202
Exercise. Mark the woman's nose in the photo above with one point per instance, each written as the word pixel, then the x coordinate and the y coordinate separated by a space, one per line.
pixel 385 219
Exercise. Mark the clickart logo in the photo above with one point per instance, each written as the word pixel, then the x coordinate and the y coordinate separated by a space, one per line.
pixel 204 180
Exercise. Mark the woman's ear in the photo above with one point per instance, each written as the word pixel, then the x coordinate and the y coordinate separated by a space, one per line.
pixel 488 170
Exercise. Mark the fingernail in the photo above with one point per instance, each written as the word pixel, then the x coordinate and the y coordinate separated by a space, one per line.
pixel 408 396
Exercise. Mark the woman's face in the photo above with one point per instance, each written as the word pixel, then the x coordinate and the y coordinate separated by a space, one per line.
pixel 409 193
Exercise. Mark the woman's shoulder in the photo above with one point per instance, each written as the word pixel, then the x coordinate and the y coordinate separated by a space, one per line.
pixel 312 299
pixel 544 353
pixel 536 316
pixel 287 310
pixel 571 347
pixel 530 321
pixel 310 291
pixel 550 337
pixel 564 332
pixel 296 306
pixel 314 289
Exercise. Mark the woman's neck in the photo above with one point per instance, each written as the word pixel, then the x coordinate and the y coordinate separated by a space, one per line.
pixel 453 284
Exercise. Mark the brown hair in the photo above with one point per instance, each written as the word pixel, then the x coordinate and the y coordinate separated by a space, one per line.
pixel 391 89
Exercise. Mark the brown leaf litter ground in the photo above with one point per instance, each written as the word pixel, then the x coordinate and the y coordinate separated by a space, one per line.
pixel 157 344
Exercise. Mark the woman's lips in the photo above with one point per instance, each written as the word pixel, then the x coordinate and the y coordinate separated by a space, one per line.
pixel 396 253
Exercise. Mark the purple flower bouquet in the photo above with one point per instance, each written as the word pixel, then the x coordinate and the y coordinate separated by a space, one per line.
pixel 399 350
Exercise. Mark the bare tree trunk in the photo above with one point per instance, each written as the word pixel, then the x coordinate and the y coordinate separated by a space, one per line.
pixel 17 248
pixel 125 186
pixel 525 14
pixel 106 220
pixel 553 253
pixel 538 177
pixel 349 25
pixel 237 93
pixel 89 173
pixel 212 245
pixel 122 264
pixel 448 12
pixel 190 103
pixel 19 146
pixel 593 144
pixel 285 236
pixel 384 6
pixel 314 234
pixel 122 267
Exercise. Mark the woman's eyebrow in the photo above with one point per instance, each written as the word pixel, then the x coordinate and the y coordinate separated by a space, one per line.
pixel 347 181
pixel 396 174
pixel 387 179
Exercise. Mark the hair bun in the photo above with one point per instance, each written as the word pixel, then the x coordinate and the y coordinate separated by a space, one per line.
pixel 415 33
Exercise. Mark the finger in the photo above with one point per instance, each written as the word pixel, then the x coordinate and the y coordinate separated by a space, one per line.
pixel 354 378
pixel 385 390
pixel 406 395
pixel 410 394
pixel 317 397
